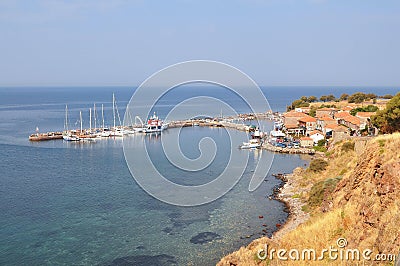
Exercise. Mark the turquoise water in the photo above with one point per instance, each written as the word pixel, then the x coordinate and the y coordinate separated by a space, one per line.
pixel 73 204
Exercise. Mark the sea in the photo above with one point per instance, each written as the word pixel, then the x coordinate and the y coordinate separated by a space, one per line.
pixel 64 203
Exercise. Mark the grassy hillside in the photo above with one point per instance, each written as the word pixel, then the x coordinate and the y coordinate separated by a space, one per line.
pixel 355 196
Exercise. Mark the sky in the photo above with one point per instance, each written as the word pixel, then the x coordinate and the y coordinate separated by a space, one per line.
pixel 275 42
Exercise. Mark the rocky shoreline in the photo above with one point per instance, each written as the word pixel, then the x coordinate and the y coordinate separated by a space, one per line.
pixel 272 148
pixel 289 194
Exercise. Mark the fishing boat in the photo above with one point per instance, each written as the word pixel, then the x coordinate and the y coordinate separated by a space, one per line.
pixel 155 125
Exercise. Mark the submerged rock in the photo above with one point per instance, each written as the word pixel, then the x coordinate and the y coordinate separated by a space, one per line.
pixel 162 259
pixel 204 237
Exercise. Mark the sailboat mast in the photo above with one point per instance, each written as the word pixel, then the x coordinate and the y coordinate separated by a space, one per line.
pixel 102 115
pixel 80 118
pixel 66 118
pixel 94 113
pixel 114 108
pixel 90 119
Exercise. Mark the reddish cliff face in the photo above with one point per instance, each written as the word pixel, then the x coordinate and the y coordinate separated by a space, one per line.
pixel 373 188
pixel 363 207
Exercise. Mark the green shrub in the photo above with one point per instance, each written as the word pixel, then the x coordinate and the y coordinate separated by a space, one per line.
pixel 320 148
pixel 369 108
pixel 344 170
pixel 388 120
pixel 316 194
pixel 318 190
pixel 381 142
pixel 318 165
pixel 348 146
pixel 305 208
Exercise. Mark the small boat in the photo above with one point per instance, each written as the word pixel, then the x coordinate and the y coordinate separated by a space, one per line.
pixel 118 132
pixel 105 133
pixel 278 125
pixel 276 134
pixel 70 137
pixel 252 144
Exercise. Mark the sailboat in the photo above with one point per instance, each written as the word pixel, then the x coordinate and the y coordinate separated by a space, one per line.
pixel 86 135
pixel 132 129
pixel 67 134
pixel 105 132
pixel 116 131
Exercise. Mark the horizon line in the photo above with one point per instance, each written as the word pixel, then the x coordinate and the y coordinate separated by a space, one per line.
pixel 135 86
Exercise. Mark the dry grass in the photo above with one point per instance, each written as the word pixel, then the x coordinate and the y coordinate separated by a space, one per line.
pixel 365 206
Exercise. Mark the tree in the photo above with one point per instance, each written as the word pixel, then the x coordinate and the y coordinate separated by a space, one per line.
pixel 323 98
pixel 313 111
pixel 357 97
pixel 344 97
pixel 370 96
pixel 312 99
pixel 369 108
pixel 296 104
pixel 388 120
pixel 387 96
pixel 330 98
pixel 304 98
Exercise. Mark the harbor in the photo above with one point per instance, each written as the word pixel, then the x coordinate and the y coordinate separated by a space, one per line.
pixel 272 141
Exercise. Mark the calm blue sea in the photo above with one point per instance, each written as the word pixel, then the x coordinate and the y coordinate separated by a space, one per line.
pixel 77 204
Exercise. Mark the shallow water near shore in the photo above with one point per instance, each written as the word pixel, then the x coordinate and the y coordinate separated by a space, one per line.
pixel 68 203
pixel 86 209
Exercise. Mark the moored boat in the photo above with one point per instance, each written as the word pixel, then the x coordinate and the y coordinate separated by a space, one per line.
pixel 155 125
pixel 45 136
pixel 252 144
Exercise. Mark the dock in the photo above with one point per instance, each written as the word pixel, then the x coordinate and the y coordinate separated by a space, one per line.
pixel 46 136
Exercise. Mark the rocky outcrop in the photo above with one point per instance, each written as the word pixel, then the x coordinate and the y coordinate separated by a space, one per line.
pixel 373 187
pixel 363 206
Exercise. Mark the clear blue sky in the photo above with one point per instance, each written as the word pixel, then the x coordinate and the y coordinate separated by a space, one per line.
pixel 276 42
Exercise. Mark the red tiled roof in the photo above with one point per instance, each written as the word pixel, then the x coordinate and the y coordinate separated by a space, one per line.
pixel 290 126
pixel 342 114
pixel 365 114
pixel 306 138
pixel 326 118
pixel 315 132
pixel 333 126
pixel 340 129
pixel 352 119
pixel 327 109
pixel 308 119
pixel 347 108
pixel 294 114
